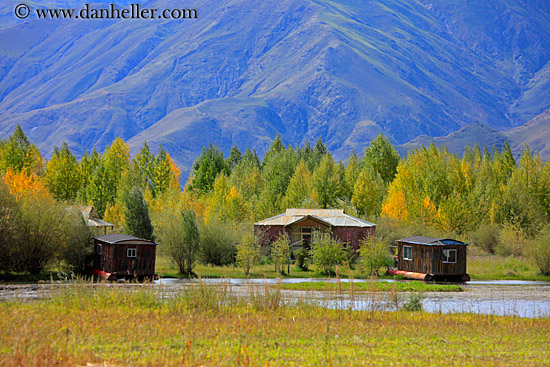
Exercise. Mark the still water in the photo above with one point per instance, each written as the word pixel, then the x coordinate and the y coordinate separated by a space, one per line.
pixel 506 297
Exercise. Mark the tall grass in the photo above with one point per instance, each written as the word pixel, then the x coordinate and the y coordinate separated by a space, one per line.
pixel 141 325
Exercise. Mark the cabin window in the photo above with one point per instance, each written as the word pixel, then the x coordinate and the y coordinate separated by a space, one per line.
pixel 98 249
pixel 132 252
pixel 407 253
pixel 449 256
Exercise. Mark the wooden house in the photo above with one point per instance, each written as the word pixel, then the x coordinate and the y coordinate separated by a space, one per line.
pixel 97 226
pixel 427 258
pixel 121 256
pixel 300 224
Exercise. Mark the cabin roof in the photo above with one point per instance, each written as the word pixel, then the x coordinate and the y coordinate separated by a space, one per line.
pixel 123 239
pixel 431 241
pixel 332 217
pixel 90 216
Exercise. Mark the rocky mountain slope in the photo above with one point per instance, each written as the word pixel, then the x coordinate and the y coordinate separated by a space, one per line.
pixel 244 70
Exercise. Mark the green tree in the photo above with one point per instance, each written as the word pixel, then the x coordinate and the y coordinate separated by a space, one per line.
pixel 137 222
pixel 19 154
pixel 326 182
pixel 319 151
pixel 235 157
pixel 88 165
pixel 166 173
pixel 353 169
pixel 280 253
pixel 326 252
pixel 101 189
pixel 299 187
pixel 41 233
pixel 374 255
pixel 63 177
pixel 248 254
pixel 368 193
pixel 277 171
pixel 143 168
pixel 117 160
pixel 277 146
pixel 206 168
pixel 182 239
pixel 78 251
pixel 218 241
pixel 382 157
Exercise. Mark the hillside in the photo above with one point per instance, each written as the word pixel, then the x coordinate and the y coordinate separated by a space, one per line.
pixel 535 133
pixel 338 70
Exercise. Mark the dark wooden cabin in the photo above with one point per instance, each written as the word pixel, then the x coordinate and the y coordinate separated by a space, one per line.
pixel 300 224
pixel 429 258
pixel 119 256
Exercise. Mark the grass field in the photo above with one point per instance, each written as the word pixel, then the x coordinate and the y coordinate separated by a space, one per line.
pixel 207 326
pixel 484 266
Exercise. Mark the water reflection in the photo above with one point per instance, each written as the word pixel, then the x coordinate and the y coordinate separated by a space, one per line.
pixel 498 297
pixel 503 297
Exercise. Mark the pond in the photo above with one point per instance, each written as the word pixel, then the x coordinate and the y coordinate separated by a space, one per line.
pixel 507 297
pixel 503 297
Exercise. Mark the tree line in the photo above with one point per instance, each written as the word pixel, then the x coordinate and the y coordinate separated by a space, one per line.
pixel 484 196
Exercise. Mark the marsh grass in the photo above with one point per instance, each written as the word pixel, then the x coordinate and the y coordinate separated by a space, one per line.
pixel 372 286
pixel 141 325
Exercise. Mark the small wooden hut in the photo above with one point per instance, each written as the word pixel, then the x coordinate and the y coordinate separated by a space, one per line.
pixel 427 258
pixel 119 256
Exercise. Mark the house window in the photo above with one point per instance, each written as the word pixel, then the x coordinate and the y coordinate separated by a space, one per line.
pixel 132 252
pixel 449 256
pixel 301 234
pixel 98 249
pixel 407 253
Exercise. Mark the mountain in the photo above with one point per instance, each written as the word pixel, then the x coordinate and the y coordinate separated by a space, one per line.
pixel 340 70
pixel 535 133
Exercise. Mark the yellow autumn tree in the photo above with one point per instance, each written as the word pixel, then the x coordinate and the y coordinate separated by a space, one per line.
pixel 24 183
pixel 395 207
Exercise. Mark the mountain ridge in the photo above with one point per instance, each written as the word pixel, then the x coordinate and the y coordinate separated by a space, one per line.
pixel 306 69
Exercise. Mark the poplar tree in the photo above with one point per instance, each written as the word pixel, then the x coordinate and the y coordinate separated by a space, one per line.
pixel 63 177
pixel 137 222
pixel 299 187
pixel 368 193
pixel 19 154
pixel 326 182
pixel 382 157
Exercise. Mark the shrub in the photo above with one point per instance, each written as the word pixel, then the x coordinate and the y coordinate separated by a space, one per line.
pixel 538 250
pixel 9 218
pixel 79 250
pixel 511 241
pixel 218 243
pixel 302 259
pixel 326 252
pixel 414 303
pixel 374 255
pixel 487 237
pixel 40 233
